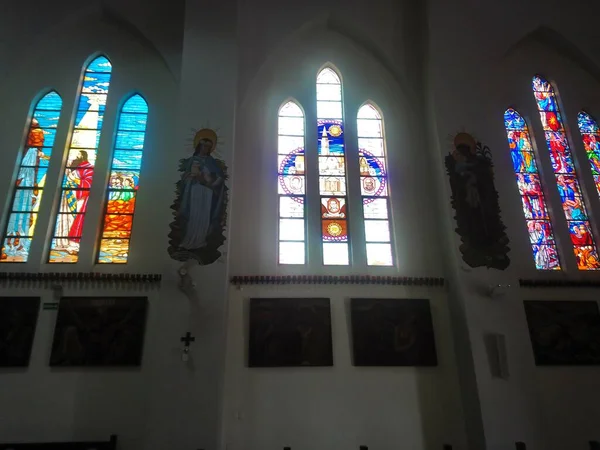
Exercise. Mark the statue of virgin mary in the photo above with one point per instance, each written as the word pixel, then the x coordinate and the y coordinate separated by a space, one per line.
pixel 201 194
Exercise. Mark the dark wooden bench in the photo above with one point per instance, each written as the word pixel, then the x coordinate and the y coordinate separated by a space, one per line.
pixel 111 444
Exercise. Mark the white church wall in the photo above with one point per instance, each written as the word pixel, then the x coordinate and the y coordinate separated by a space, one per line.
pixel 476 73
pixel 343 406
pixel 43 403
pixel 291 73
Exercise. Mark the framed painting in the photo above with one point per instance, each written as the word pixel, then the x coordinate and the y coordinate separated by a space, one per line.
pixel 392 332
pixel 99 331
pixel 287 332
pixel 18 318
pixel 564 333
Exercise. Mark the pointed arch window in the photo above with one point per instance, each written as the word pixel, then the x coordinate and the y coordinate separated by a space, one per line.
pixel 374 186
pixel 539 226
pixel 31 179
pixel 291 184
pixel 80 162
pixel 332 169
pixel 123 181
pixel 567 182
pixel 590 133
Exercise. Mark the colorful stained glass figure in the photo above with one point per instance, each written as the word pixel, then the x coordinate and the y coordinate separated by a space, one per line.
pixel 291 184
pixel 590 133
pixel 79 167
pixel 123 182
pixel 564 171
pixel 31 179
pixel 538 222
pixel 332 168
pixel 373 185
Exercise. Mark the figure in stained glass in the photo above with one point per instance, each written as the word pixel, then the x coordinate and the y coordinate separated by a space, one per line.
pixel 31 179
pixel 197 232
pixel 26 199
pixel 564 170
pixel 475 200
pixel 79 168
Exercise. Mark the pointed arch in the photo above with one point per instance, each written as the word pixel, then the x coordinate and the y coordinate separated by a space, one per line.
pixel 80 161
pixel 31 178
pixel 123 182
pixel 374 185
pixel 332 167
pixel 291 183
pixel 573 202
pixel 590 134
pixel 539 226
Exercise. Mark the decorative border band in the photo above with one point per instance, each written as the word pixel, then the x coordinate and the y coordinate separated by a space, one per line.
pixel 559 283
pixel 330 279
pixel 81 276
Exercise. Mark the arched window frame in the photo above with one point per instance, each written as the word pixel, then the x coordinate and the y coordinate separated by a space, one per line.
pixel 331 154
pixel 530 185
pixel 374 185
pixel 38 145
pixel 573 201
pixel 123 181
pixel 291 183
pixel 78 169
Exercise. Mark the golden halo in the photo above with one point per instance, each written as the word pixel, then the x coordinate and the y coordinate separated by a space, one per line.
pixel 335 229
pixel 465 139
pixel 335 130
pixel 205 133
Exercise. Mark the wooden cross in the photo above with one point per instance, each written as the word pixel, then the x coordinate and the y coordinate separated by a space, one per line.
pixel 188 339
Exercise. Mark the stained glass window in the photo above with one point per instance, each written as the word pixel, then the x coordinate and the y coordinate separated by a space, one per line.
pixel 291 185
pixel 529 183
pixel 123 181
pixel 31 179
pixel 561 157
pixel 588 127
pixel 374 186
pixel 79 166
pixel 332 169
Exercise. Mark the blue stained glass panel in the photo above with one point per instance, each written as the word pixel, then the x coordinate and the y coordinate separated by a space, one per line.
pixel 31 179
pixel 587 124
pixel 96 82
pixel 51 101
pixel 330 137
pixel 513 120
pixel 79 170
pixel 133 122
pixel 532 195
pixel 92 102
pixel 47 119
pixel 135 104
pixel 123 183
pixel 44 157
pixel 130 140
pixel 37 180
pixel 100 64
pixel 523 162
pixel 127 159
